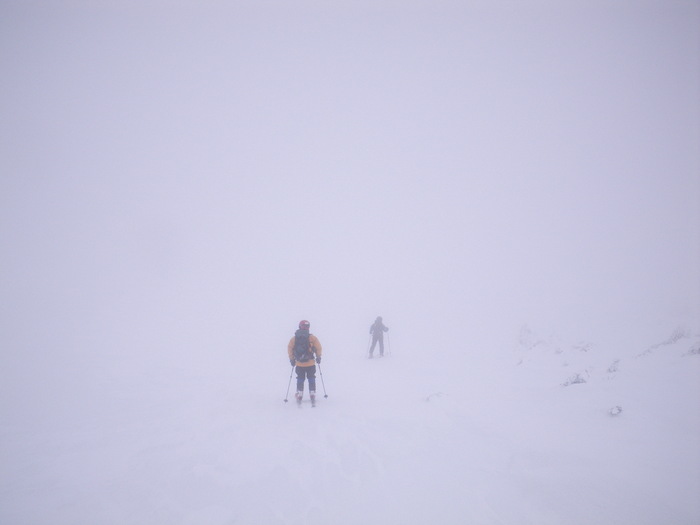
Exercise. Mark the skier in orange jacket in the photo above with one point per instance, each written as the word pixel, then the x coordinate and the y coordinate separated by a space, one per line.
pixel 304 350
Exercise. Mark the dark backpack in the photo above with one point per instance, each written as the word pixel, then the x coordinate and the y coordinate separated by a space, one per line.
pixel 302 346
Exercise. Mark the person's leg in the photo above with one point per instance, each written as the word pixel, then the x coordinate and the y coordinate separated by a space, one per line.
pixel 311 376
pixel 300 381
pixel 381 346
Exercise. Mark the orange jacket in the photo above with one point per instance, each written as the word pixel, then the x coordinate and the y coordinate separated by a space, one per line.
pixel 315 348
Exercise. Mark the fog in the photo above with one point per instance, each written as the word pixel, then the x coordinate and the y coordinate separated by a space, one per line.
pixel 183 182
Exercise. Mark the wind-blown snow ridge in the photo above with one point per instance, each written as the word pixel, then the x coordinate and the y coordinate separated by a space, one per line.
pixel 679 334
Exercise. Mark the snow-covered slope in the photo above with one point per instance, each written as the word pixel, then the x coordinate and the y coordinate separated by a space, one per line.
pixel 182 182
pixel 403 439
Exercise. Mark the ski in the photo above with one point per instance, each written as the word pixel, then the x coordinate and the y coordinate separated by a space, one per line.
pixel 301 403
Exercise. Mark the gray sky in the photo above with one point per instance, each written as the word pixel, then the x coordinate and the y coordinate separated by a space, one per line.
pixel 182 175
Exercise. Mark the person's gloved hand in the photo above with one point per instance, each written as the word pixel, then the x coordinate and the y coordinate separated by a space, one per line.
pixel 318 359
pixel 292 362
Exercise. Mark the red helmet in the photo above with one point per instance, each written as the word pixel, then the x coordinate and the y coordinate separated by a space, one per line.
pixel 304 324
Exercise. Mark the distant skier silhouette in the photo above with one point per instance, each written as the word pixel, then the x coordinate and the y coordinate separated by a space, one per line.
pixel 377 331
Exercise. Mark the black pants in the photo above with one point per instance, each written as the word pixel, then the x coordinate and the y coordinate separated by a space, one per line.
pixel 381 345
pixel 306 372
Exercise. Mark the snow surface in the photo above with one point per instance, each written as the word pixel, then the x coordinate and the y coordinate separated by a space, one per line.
pixel 401 439
pixel 512 185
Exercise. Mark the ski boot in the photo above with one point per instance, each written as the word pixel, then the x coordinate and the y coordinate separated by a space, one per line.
pixel 312 394
pixel 299 395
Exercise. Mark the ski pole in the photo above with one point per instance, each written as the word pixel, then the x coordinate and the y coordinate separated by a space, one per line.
pixel 289 384
pixel 369 342
pixel 322 383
